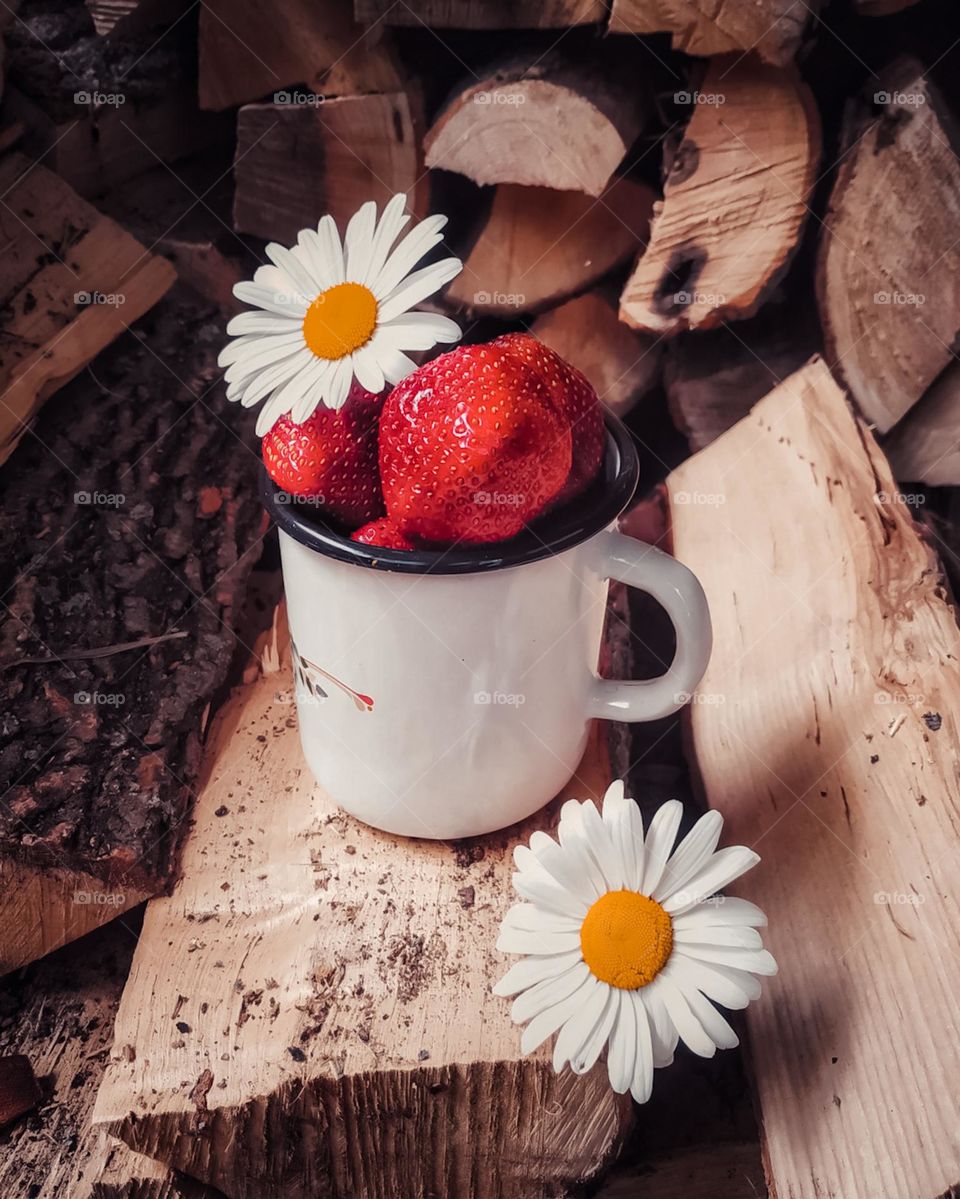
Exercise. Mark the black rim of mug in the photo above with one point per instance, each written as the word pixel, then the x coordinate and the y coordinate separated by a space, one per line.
pixel 562 529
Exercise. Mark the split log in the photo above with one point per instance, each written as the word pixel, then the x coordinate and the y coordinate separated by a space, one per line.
pixel 119 17
pixel 545 121
pixel 537 247
pixel 622 365
pixel 713 379
pixel 71 280
pixel 249 51
pixel 310 977
pixel 890 299
pixel 346 151
pixel 772 28
pixel 126 566
pixel 733 204
pixel 94 119
pixel 925 446
pixel 483 14
pixel 827 737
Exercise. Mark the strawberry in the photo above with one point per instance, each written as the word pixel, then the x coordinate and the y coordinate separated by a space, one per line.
pixel 331 458
pixel 472 447
pixel 383 532
pixel 575 398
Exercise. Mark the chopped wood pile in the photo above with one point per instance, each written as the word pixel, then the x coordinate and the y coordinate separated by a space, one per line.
pixel 741 222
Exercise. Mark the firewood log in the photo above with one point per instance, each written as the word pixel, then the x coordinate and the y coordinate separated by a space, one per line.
pixel 713 379
pixel 117 17
pixel 483 14
pixel 622 365
pixel 734 201
pixel 128 524
pixel 825 731
pixel 72 280
pixel 537 247
pixel 889 262
pixel 773 28
pixel 99 111
pixel 312 975
pixel 249 51
pixel 925 446
pixel 545 121
pixel 346 151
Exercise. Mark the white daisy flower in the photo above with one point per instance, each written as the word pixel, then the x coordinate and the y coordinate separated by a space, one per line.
pixel 628 944
pixel 331 313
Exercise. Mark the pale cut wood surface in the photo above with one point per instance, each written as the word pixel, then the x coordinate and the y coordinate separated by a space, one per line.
pixel 889 282
pixel 622 364
pixel 925 446
pixel 250 50
pixel 542 121
pixel 310 979
pixel 58 248
pixel 483 14
pixel 347 151
pixel 771 28
pixel 538 246
pixel 825 731
pixel 733 204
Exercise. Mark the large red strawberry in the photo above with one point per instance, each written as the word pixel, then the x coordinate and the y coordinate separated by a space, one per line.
pixel 472 447
pixel 575 398
pixel 383 532
pixel 331 458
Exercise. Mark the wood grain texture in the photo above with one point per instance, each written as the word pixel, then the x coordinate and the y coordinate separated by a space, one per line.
pixel 310 1008
pixel 827 737
pixel 924 447
pixel 772 28
pixel 538 247
pixel 543 121
pixel 347 151
pixel 733 204
pixel 890 299
pixel 59 252
pixel 622 364
pixel 483 14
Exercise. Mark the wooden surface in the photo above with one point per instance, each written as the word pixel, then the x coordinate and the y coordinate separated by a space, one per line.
pixel 622 364
pixel 890 299
pixel 825 732
pixel 771 28
pixel 925 446
pixel 483 14
pixel 59 252
pixel 733 204
pixel 537 246
pixel 311 1010
pixel 347 151
pixel 543 121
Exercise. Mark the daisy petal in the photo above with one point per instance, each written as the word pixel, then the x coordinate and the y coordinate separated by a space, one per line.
pixel 368 370
pixel 663 1032
pixel 276 281
pixel 540 888
pixel 261 323
pixel 340 380
pixel 641 1085
pixel 691 1031
pixel 358 241
pixel 564 869
pixel 575 843
pixel 601 847
pixel 517 940
pixel 756 961
pixel 733 988
pixel 330 249
pixel 622 829
pixel 722 911
pixel 270 413
pixel 292 267
pixel 256 388
pixel 535 920
pixel 391 223
pixel 710 1020
pixel 659 841
pixel 306 392
pixel 395 366
pixel 421 239
pixel 622 1055
pixel 575 1034
pixel 584 1061
pixel 719 871
pixel 270 301
pixel 734 937
pixel 420 330
pixel 531 971
pixel 417 287
pixel 545 994
pixel 691 854
pixel 547 1023
pixel 253 352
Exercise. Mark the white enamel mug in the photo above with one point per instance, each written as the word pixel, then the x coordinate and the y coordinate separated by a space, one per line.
pixel 446 694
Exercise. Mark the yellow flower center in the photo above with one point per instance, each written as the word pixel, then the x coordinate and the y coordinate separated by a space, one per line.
pixel 626 939
pixel 340 320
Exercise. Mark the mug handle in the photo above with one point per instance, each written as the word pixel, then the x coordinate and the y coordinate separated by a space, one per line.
pixel 678 590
